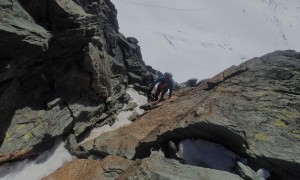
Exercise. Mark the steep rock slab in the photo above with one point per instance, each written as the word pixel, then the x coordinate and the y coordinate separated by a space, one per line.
pixel 125 141
pixel 20 35
pixel 40 92
pixel 63 65
pixel 109 168
pixel 263 102
pixel 252 109
pixel 31 128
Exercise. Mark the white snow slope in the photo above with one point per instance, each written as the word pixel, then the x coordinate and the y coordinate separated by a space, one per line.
pixel 200 38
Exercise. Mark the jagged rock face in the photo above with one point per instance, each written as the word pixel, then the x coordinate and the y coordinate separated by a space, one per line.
pixel 63 63
pixel 252 109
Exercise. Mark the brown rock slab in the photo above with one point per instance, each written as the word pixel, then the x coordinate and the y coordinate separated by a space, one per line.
pixel 82 169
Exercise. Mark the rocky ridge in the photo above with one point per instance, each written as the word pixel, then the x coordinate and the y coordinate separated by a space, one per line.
pixel 252 109
pixel 64 68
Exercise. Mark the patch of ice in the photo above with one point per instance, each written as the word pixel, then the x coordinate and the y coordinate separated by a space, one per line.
pixel 206 154
pixel 263 173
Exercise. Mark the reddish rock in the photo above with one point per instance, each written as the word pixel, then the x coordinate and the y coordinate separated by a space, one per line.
pixel 82 169
pixel 23 153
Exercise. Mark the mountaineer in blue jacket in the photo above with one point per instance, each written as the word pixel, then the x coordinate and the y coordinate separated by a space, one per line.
pixel 165 84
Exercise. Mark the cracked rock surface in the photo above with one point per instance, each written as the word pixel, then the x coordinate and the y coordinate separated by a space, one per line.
pixel 63 64
pixel 252 109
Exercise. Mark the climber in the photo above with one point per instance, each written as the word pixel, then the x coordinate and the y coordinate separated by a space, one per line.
pixel 165 84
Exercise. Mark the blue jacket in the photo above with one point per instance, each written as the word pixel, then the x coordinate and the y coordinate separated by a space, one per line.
pixel 169 86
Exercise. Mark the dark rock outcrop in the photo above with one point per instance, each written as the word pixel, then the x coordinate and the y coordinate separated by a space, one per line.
pixel 189 83
pixel 252 109
pixel 63 64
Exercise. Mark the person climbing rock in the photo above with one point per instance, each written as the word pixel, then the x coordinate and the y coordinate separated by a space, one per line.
pixel 165 84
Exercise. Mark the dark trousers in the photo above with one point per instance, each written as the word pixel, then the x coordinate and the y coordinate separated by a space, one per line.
pixel 158 91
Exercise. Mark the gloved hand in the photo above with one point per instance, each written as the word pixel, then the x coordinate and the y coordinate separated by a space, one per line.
pixel 150 90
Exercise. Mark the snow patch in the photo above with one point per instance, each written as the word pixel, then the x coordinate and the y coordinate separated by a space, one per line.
pixel 211 155
pixel 39 167
pixel 139 99
pixel 263 173
pixel 122 117
pixel 206 154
